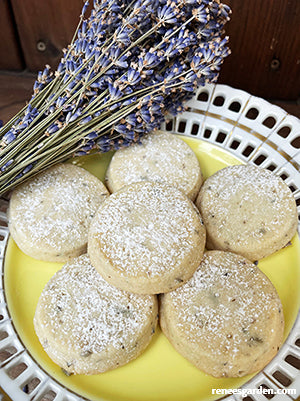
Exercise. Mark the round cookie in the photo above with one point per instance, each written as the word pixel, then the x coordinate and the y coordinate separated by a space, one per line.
pixel 162 157
pixel 247 210
pixel 227 319
pixel 49 215
pixel 87 326
pixel 146 238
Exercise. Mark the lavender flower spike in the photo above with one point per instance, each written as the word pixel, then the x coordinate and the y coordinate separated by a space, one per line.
pixel 130 63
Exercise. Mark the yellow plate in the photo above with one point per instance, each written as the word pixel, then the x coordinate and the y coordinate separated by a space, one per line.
pixel 159 374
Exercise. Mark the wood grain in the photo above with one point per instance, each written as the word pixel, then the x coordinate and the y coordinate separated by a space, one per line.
pixel 264 40
pixel 15 90
pixel 10 53
pixel 51 23
pixel 261 32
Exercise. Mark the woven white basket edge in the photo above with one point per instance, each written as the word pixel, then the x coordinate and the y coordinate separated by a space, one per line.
pixel 65 393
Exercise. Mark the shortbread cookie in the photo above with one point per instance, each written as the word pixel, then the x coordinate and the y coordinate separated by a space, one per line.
pixel 87 326
pixel 227 319
pixel 146 238
pixel 162 157
pixel 247 210
pixel 49 215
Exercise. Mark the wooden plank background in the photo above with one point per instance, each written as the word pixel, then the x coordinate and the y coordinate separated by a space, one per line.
pixel 264 39
pixel 10 52
pixel 44 28
pixel 265 42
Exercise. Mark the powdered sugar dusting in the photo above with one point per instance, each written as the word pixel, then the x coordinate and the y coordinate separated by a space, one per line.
pixel 55 208
pixel 85 314
pixel 228 302
pixel 162 157
pixel 245 204
pixel 147 228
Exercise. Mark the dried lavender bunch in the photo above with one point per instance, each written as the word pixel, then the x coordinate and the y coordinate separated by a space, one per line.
pixel 129 65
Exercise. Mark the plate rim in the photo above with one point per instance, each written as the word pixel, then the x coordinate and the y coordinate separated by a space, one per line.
pixel 203 110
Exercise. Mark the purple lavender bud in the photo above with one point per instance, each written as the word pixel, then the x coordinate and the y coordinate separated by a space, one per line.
pixel 128 90
pixel 39 77
pixel 131 119
pixel 121 62
pixel 111 71
pixel 96 85
pixel 123 38
pixel 104 144
pixel 45 73
pixel 53 128
pixel 155 108
pixel 68 116
pixel 86 148
pixel 34 111
pixel 168 32
pixel 4 167
pixel 84 8
pixel 104 61
pixel 89 52
pixel 129 135
pixel 132 20
pixel 71 85
pixel 145 114
pixel 36 86
pixel 8 137
pixel 23 125
pixel 60 101
pixel 121 128
pixel 66 77
pixel 133 76
pixel 115 52
pixel 115 106
pixel 91 135
pixel 192 2
pixel 146 99
pixel 70 66
pixel 28 109
pixel 225 10
pixel 158 98
pixel 205 70
pixel 171 50
pixel 91 93
pixel 115 8
pixel 169 75
pixel 147 72
pixel 114 92
pixel 85 120
pixel 140 129
pixel 67 107
pixel 27 168
pixel 190 77
pixel 78 47
pixel 84 28
pixel 196 61
pixel 73 116
pixel 201 14
pixel 129 101
pixel 167 15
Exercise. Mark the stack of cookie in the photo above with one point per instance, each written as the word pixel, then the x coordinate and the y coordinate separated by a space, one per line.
pixel 147 238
